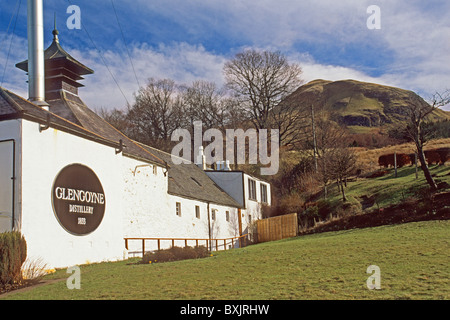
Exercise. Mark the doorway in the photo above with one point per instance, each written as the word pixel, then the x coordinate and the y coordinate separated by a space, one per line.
pixel 7 149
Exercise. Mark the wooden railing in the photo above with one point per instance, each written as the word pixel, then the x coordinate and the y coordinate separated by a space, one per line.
pixel 208 242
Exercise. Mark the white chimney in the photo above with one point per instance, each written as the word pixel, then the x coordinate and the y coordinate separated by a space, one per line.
pixel 200 160
pixel 227 166
pixel 220 165
pixel 36 67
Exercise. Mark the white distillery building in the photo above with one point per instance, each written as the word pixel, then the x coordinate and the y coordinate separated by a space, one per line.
pixel 76 187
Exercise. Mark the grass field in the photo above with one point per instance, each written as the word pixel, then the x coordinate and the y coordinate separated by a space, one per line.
pixel 390 189
pixel 368 158
pixel 413 259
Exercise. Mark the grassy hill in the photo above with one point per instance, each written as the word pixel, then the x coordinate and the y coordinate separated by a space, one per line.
pixel 402 197
pixel 413 260
pixel 358 105
pixel 389 189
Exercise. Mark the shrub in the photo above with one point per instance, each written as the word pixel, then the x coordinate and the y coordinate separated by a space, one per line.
pixel 175 254
pixel 377 174
pixel 325 208
pixel 33 270
pixel 13 252
pixel 311 212
pixel 351 207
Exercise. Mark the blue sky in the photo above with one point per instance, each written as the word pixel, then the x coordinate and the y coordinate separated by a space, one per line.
pixel 187 40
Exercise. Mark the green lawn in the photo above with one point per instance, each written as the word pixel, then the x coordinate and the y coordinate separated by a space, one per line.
pixel 388 189
pixel 413 259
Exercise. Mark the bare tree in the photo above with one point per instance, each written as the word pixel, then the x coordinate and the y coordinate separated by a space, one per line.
pixel 156 113
pixel 324 171
pixel 204 102
pixel 418 115
pixel 334 159
pixel 328 135
pixel 261 80
pixel 342 165
pixel 291 120
pixel 115 117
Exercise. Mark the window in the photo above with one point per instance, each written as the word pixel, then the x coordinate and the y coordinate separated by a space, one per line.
pixel 197 212
pixel 155 170
pixel 227 215
pixel 249 218
pixel 263 193
pixel 251 189
pixel 178 209
pixel 213 214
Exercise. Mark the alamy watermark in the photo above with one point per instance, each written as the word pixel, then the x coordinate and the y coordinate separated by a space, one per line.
pixel 258 147
pixel 374 20
pixel 74 20
pixel 74 281
pixel 374 281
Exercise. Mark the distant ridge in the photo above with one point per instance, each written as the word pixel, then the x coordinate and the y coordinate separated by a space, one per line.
pixel 356 103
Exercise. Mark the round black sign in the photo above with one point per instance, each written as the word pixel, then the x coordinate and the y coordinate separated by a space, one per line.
pixel 78 199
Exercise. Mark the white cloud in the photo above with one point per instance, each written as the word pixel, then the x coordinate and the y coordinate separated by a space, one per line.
pixel 413 38
pixel 13 79
pixel 181 62
pixel 413 35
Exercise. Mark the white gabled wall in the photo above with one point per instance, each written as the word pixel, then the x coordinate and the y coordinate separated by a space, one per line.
pixel 150 212
pixel 145 198
pixel 236 184
pixel 137 200
pixel 44 154
pixel 253 207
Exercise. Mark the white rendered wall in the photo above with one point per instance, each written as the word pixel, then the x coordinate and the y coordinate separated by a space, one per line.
pixel 137 201
pixel 43 156
pixel 150 212
pixel 253 208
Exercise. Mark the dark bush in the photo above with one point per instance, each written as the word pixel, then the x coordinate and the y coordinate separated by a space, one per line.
pixel 175 254
pixel 377 174
pixel 324 208
pixel 13 252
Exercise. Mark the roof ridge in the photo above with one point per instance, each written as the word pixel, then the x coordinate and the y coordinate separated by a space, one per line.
pixel 162 151
pixel 47 111
pixel 134 142
pixel 83 105
pixel 5 95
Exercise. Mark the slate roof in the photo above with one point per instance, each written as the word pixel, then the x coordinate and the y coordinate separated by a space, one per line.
pixel 86 123
pixel 56 54
pixel 190 181
pixel 185 180
pixel 69 113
